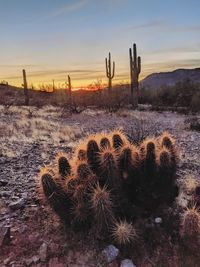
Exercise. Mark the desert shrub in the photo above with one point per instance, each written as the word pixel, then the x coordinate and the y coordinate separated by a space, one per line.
pixel 195 102
pixel 109 183
pixel 142 128
pixel 182 94
pixel 193 123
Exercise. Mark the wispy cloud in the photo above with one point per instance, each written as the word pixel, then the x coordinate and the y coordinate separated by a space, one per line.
pixel 165 25
pixel 72 7
pixel 150 24
pixel 79 73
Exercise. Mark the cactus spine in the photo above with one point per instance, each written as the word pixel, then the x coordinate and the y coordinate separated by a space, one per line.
pixel 26 95
pixel 135 69
pixel 110 73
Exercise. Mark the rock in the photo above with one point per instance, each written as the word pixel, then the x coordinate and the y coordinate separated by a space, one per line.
pixel 3 182
pixel 35 259
pixel 110 253
pixel 5 235
pixel 158 220
pixel 6 261
pixel 43 252
pixel 18 204
pixel 127 263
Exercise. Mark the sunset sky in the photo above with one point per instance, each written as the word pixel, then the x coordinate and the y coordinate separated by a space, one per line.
pixel 52 39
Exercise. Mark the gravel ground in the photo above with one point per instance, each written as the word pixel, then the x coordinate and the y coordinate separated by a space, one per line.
pixel 30 139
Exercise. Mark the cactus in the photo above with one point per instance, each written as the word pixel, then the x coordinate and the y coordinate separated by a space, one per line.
pixel 109 168
pixel 165 184
pixel 124 233
pixel 82 154
pixel 105 143
pixel 135 69
pixel 64 166
pixel 109 179
pixel 79 212
pixel 25 85
pixel 70 92
pixel 93 155
pixel 166 140
pixel 148 156
pixel 83 171
pixel 101 204
pixel 109 71
pixel 118 139
pixel 53 87
pixel 190 228
pixel 57 197
pixel 128 159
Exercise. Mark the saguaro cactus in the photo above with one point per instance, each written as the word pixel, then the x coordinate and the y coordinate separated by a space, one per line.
pixel 26 95
pixel 135 69
pixel 110 73
pixel 70 91
pixel 53 88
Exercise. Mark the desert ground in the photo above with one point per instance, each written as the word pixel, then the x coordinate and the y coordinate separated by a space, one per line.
pixel 30 139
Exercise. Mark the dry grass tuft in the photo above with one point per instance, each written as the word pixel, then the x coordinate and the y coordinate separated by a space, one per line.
pixel 190 184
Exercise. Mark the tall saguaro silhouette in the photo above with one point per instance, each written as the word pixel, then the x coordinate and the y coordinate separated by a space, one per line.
pixel 135 69
pixel 110 72
pixel 70 91
pixel 25 85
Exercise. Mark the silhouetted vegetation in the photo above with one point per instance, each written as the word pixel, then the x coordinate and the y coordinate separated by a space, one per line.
pixel 184 94
pixel 182 97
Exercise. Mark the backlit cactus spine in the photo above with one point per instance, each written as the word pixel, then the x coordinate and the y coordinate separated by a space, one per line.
pixel 110 72
pixel 135 69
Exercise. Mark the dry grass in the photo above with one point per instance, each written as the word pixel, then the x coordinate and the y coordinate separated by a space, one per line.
pixel 190 184
pixel 44 126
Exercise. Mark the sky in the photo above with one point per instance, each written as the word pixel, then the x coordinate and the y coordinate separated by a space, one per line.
pixel 52 39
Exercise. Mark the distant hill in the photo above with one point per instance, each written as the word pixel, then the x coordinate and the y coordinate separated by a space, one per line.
pixel 157 80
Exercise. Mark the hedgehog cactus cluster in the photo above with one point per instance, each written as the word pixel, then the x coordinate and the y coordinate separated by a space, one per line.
pixel 108 179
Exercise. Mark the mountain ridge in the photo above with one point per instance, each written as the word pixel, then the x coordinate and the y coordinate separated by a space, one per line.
pixel 158 79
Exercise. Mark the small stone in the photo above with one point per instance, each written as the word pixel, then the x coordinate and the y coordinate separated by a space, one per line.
pixel 18 204
pixel 5 235
pixel 43 252
pixel 35 259
pixel 127 263
pixel 158 220
pixel 28 262
pixel 111 253
pixel 6 261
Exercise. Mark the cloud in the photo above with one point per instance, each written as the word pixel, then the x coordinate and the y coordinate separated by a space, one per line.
pixel 69 8
pixel 193 47
pixel 164 25
pixel 150 24
pixel 62 74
